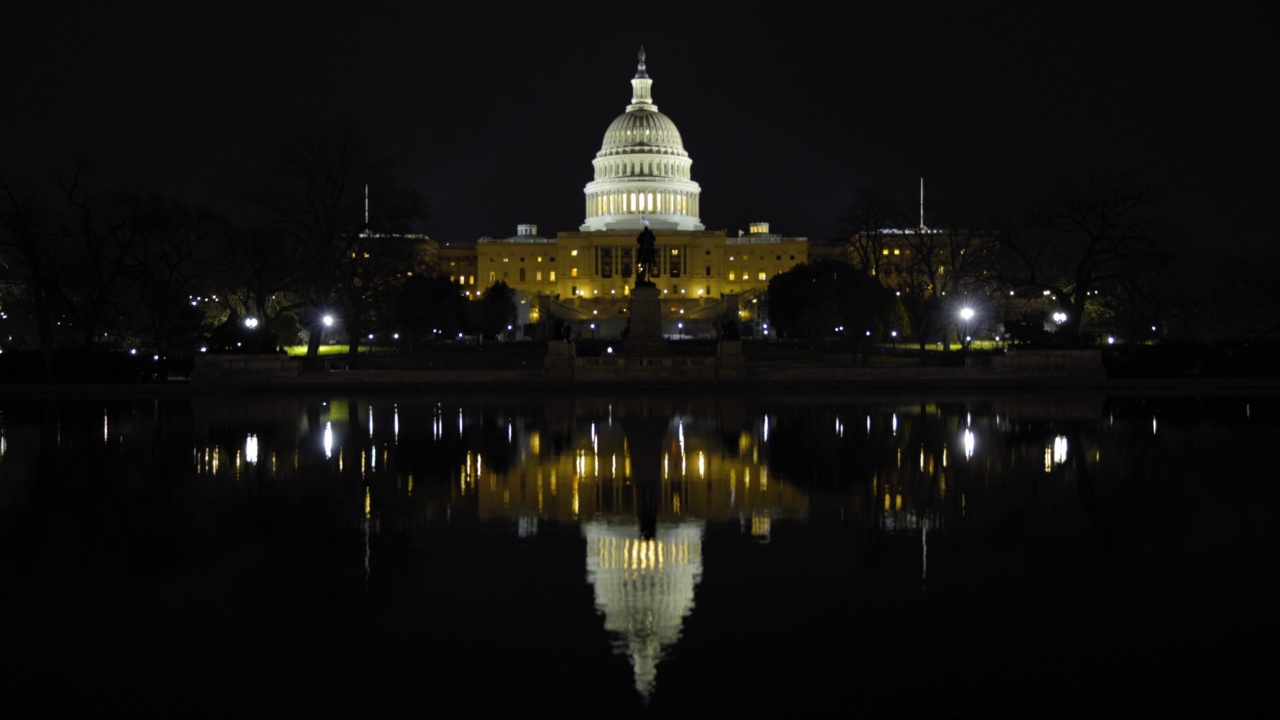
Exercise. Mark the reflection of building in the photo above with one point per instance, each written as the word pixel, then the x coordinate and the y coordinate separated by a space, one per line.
pixel 642 176
pixel 593 475
pixel 644 587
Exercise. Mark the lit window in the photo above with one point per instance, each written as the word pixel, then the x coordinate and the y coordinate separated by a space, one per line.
pixel 573 253
pixel 732 276
pixel 763 277
pixel 552 276
pixel 573 272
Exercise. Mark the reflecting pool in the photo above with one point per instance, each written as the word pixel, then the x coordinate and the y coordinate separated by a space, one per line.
pixel 636 555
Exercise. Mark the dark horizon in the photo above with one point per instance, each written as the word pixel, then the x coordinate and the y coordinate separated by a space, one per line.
pixel 496 119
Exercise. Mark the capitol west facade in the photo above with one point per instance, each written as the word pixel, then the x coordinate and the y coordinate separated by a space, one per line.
pixel 642 175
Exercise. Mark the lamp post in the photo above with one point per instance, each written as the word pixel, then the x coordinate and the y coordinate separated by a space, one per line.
pixel 966 318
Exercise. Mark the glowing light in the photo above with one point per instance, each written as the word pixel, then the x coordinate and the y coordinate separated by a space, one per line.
pixel 251 322
pixel 328 440
pixel 1059 450
pixel 251 449
pixel 328 321
pixel 966 313
pixel 968 444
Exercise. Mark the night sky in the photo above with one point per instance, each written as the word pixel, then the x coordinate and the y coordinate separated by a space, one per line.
pixel 496 113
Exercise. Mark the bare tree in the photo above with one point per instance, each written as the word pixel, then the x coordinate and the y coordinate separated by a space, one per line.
pixel 943 269
pixel 314 190
pixel 33 259
pixel 1090 239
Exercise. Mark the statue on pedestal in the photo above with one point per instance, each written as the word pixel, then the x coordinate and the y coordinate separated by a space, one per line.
pixel 646 257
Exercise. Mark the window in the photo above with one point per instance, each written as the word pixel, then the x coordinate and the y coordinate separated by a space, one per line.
pixel 538 276
pixel 552 276
pixel 573 272
pixel 521 274
pixel 764 277
pixel 732 276
pixel 708 271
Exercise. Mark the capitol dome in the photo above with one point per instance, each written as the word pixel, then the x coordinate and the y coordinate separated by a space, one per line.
pixel 642 170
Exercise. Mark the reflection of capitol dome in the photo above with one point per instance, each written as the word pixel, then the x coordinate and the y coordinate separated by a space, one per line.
pixel 642 170
pixel 644 587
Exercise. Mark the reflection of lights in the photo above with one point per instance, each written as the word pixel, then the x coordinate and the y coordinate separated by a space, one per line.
pixel 1153 424
pixel 968 444
pixel 328 440
pixel 766 428
pixel 839 428
pixel 251 449
pixel 1055 454
pixel 895 424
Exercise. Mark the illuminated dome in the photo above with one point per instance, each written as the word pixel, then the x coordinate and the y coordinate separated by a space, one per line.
pixel 642 170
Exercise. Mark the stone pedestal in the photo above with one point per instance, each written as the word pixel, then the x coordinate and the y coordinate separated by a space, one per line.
pixel 645 336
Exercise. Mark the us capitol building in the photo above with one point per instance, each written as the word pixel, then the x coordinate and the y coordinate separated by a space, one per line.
pixel 643 176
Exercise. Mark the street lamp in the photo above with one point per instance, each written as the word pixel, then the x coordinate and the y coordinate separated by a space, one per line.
pixel 966 318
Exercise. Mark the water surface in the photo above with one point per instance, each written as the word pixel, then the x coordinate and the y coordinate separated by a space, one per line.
pixel 353 554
